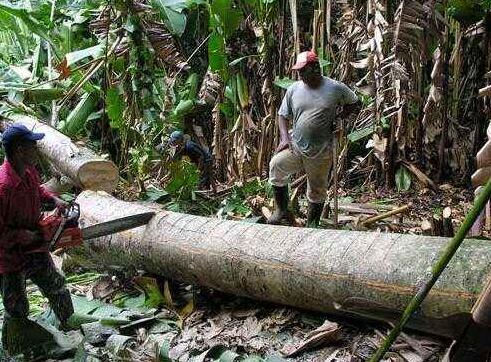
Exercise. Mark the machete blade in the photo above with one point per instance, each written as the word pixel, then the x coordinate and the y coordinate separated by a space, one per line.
pixel 117 225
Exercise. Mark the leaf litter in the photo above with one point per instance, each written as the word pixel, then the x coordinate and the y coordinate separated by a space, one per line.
pixel 148 319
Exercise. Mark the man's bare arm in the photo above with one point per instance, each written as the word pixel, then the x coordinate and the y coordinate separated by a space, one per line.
pixel 284 135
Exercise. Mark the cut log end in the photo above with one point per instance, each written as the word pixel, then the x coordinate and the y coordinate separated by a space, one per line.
pixel 99 175
pixel 83 166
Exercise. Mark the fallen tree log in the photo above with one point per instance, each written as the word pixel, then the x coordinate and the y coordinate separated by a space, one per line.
pixel 86 169
pixel 357 274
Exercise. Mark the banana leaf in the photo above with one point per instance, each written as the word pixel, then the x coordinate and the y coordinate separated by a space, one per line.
pixel 32 23
pixel 75 121
pixel 79 55
pixel 41 95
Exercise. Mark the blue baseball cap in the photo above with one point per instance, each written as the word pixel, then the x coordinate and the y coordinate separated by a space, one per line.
pixel 18 132
pixel 175 136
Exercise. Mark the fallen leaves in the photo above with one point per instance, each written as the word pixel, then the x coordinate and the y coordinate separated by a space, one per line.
pixel 208 326
pixel 328 332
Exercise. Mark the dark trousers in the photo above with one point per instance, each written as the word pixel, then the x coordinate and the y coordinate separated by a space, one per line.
pixel 42 271
pixel 206 174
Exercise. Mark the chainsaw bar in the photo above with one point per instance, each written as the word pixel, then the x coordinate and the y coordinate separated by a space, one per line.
pixel 117 225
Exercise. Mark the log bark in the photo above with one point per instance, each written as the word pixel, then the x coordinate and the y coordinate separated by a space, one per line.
pixel 86 169
pixel 483 157
pixel 481 176
pixel 357 274
pixel 485 91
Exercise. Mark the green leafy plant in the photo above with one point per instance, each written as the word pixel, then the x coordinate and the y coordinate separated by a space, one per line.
pixel 468 11
pixel 284 82
pixel 224 20
pixel 115 107
pixel 360 134
pixel 403 179
pixel 184 182
pixel 235 203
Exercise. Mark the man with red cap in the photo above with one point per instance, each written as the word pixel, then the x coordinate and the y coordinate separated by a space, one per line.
pixel 310 105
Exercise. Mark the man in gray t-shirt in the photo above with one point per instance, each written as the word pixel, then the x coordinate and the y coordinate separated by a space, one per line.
pixel 310 104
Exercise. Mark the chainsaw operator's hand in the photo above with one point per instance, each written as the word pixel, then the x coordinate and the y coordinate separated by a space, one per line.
pixel 60 204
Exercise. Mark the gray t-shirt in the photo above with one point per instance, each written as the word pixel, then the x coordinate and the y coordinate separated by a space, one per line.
pixel 312 112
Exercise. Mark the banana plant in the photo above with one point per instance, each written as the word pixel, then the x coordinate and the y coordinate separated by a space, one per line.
pixel 224 21
pixel 77 118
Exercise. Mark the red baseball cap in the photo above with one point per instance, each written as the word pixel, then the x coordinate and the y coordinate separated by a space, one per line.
pixel 304 58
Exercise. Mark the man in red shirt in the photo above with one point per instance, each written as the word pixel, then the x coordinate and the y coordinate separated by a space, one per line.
pixel 21 196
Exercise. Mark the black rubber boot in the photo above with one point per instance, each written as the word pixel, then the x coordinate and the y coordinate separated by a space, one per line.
pixel 24 336
pixel 314 214
pixel 280 213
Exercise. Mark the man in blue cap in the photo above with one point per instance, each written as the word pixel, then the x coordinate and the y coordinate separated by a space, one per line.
pixel 197 154
pixel 21 195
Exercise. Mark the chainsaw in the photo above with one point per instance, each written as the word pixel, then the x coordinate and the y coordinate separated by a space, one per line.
pixel 62 230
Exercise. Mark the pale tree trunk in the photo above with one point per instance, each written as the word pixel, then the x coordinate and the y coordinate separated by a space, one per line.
pixel 86 169
pixel 357 274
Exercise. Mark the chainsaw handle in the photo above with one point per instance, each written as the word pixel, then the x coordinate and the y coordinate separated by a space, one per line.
pixel 72 212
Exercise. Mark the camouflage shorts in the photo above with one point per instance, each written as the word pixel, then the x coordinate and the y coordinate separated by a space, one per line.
pixel 42 271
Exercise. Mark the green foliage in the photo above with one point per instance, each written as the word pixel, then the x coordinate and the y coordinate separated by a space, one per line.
pixel 153 296
pixel 242 90
pixel 185 101
pixel 22 14
pixel 75 122
pixel 239 60
pixel 235 203
pixel 366 100
pixel 225 16
pixel 224 21
pixel 171 12
pixel 403 179
pixel 468 11
pixel 385 122
pixel 217 56
pixel 79 55
pixel 360 134
pixel 40 95
pixel 140 158
pixel 284 82
pixel 185 179
pixel 115 107
pixel 185 106
pixel 154 194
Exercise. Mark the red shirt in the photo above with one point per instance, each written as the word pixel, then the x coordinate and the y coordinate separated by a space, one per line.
pixel 20 210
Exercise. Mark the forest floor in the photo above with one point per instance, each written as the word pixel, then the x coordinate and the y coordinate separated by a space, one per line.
pixel 150 319
pixel 424 205
pixel 186 323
